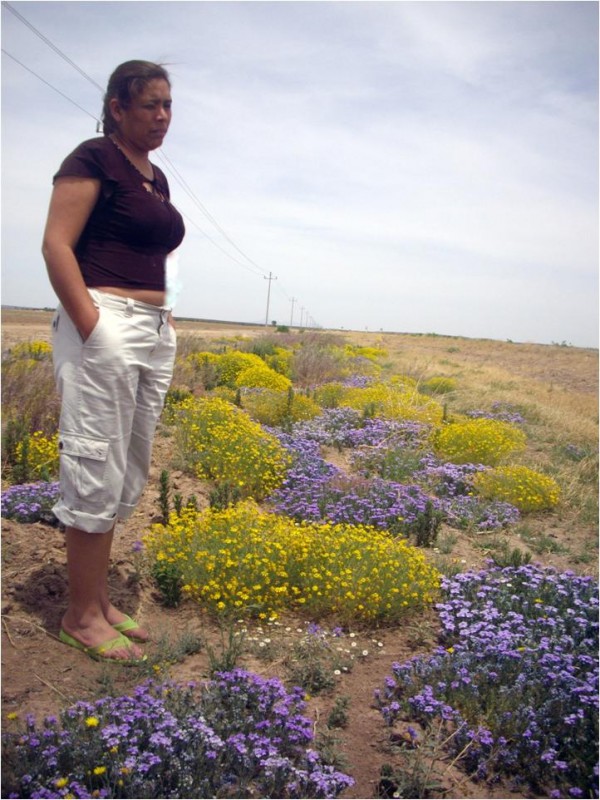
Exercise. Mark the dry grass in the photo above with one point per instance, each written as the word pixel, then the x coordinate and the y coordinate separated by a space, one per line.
pixel 553 388
pixel 29 395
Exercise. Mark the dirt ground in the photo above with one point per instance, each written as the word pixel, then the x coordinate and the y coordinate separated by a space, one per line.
pixel 41 675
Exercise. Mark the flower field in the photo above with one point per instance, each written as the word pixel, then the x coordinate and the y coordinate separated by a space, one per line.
pixel 350 553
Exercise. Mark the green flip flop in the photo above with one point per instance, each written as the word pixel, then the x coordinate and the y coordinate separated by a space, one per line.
pixel 129 624
pixel 98 652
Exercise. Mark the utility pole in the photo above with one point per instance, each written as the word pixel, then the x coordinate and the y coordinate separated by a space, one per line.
pixel 292 315
pixel 270 278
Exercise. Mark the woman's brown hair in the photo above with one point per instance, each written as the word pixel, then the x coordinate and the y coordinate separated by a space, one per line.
pixel 128 81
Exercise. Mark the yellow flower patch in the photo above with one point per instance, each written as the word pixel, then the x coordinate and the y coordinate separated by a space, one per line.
pixel 232 363
pixel 394 402
pixel 245 559
pixel 41 454
pixel 264 377
pixel 219 442
pixel 479 441
pixel 272 408
pixel 35 350
pixel 524 488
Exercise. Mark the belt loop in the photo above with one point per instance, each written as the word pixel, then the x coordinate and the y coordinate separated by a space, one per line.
pixel 129 309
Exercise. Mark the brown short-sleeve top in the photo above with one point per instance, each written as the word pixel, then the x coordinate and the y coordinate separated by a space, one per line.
pixel 133 226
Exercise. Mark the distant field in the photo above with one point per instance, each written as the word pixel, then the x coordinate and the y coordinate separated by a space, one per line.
pixel 554 365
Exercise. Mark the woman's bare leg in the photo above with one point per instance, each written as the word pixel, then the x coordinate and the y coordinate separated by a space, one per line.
pixel 111 613
pixel 88 556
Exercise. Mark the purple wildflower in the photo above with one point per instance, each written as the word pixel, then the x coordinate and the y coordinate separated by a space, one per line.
pixel 518 653
pixel 238 730
pixel 30 502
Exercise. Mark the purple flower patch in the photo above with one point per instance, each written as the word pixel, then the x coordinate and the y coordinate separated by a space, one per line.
pixel 30 502
pixel 238 735
pixel 516 673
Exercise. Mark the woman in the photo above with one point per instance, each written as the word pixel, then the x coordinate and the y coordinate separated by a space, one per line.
pixel 110 227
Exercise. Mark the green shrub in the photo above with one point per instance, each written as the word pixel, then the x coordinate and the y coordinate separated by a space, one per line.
pixel 175 396
pixel 29 394
pixel 225 393
pixel 280 359
pixel 275 409
pixel 329 395
pixel 438 385
pixel 205 368
pixel 168 582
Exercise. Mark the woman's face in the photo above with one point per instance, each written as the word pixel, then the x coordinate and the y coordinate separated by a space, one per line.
pixel 144 124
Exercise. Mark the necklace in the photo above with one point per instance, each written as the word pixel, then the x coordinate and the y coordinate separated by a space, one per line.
pixel 137 169
pixel 149 184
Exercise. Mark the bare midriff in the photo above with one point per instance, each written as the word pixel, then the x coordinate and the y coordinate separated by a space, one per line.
pixel 151 296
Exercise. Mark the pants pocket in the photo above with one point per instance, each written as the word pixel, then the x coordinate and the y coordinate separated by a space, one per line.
pixel 83 462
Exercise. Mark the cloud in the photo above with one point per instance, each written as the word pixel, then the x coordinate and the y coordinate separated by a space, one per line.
pixel 431 165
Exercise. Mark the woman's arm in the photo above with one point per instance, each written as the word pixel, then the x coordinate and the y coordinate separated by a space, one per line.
pixel 71 204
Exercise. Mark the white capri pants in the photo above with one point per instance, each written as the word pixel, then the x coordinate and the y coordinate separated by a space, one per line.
pixel 113 388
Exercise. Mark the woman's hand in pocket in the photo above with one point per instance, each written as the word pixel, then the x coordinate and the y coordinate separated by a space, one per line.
pixel 87 322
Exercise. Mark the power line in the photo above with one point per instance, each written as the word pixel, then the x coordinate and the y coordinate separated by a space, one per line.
pixel 50 85
pixel 180 180
pixel 167 162
pixel 50 44
pixel 66 97
pixel 216 244
pixel 183 183
pixel 161 154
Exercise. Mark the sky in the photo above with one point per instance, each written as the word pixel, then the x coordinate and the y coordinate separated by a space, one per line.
pixel 418 167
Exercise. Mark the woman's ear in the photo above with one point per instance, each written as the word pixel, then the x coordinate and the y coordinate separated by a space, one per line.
pixel 115 109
